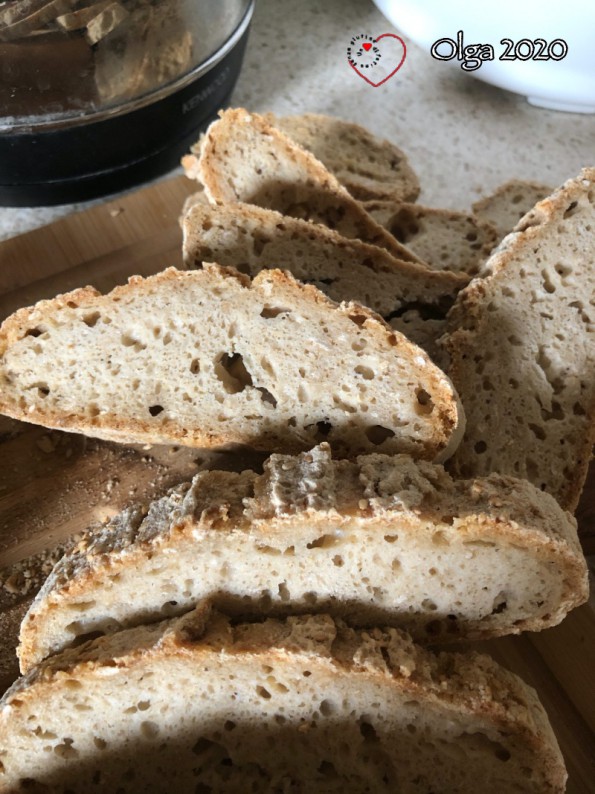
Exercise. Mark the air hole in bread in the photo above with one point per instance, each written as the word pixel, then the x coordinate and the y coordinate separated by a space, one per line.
pixel 366 372
pixel 324 542
pixel 439 539
pixel 195 366
pixel 563 270
pixel 37 331
pixel 270 312
pixel 263 549
pixel 66 750
pixel 403 226
pixel 500 604
pixel 367 730
pixel 548 285
pixel 327 769
pixel 433 628
pixel 267 366
pixel 471 237
pixel 537 431
pixel 155 410
pixel 428 604
pixel 43 390
pixel 425 404
pixel 480 447
pixel 81 639
pixel 578 410
pixel 149 729
pixel 127 340
pixel 91 319
pixel 266 396
pixel 391 538
pixel 203 746
pixel 229 725
pixel 264 693
pixel 556 413
pixel 231 371
pixel 571 209
pixel 377 434
pixel 322 431
pixel 265 600
pixel 284 592
pixel 358 319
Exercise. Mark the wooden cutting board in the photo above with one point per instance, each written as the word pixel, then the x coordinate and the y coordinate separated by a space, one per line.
pixel 53 485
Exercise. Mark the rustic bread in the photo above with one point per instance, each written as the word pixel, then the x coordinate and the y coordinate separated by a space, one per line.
pixel 208 357
pixel 443 239
pixel 303 705
pixel 509 203
pixel 251 238
pixel 243 158
pixel 384 540
pixel 522 349
pixel 368 166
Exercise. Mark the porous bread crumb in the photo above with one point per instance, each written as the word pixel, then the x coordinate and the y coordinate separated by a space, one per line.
pixel 444 239
pixel 369 167
pixel 383 540
pixel 205 358
pixel 241 150
pixel 251 239
pixel 522 349
pixel 505 207
pixel 309 686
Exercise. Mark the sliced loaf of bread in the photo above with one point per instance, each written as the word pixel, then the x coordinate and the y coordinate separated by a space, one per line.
pixel 244 158
pixel 305 704
pixel 206 358
pixel 368 166
pixel 509 203
pixel 443 239
pixel 383 540
pixel 251 238
pixel 522 349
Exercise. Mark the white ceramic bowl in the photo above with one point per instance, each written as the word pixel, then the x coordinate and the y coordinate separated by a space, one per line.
pixel 567 84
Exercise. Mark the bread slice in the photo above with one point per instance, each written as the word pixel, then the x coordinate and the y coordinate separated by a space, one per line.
pixel 368 166
pixel 509 203
pixel 383 540
pixel 522 349
pixel 304 704
pixel 443 239
pixel 244 158
pixel 208 357
pixel 251 238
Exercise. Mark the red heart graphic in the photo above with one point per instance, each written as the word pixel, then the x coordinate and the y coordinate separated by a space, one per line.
pixel 367 46
pixel 394 71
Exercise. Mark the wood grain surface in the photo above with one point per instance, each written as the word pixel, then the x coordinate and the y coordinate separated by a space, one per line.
pixel 53 485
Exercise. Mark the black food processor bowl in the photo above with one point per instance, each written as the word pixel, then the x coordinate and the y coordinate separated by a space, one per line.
pixel 100 95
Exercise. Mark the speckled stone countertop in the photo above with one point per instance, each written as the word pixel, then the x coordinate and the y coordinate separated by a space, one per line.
pixel 463 137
